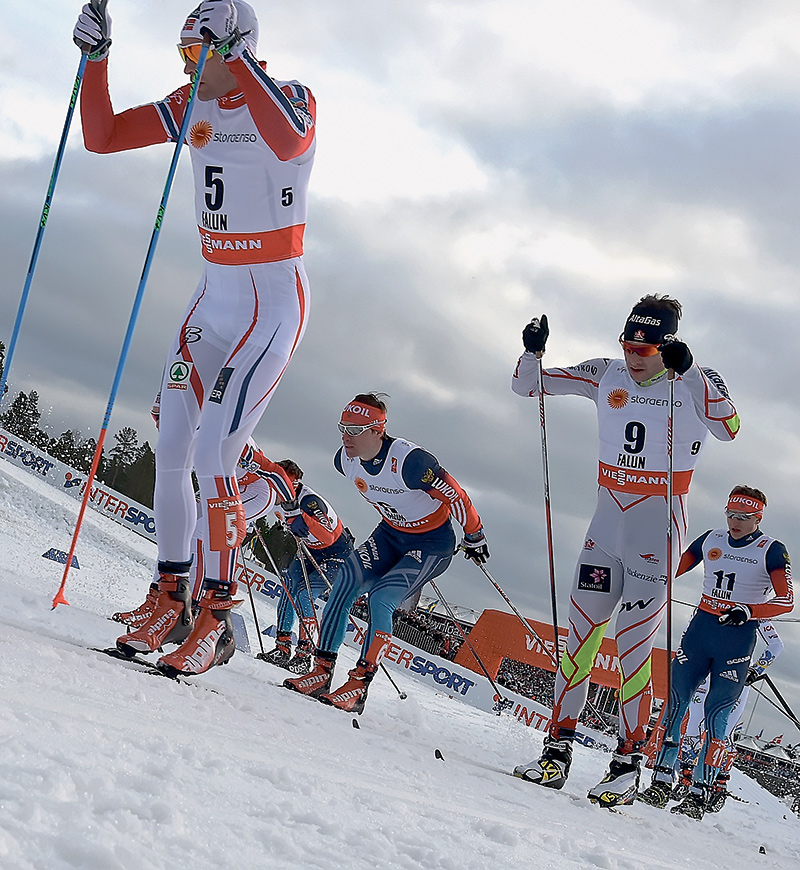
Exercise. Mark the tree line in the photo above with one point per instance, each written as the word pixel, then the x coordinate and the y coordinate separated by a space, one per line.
pixel 129 467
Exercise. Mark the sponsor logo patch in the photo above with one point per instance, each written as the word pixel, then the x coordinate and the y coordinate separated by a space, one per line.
pixel 594 578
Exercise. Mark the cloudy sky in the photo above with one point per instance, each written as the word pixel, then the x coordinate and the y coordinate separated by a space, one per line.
pixel 478 163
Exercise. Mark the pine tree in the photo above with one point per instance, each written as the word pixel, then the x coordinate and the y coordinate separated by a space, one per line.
pixel 22 419
pixel 84 454
pixel 123 455
pixel 139 479
pixel 65 446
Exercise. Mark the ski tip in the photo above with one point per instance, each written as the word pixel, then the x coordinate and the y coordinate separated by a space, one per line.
pixel 438 754
pixel 355 724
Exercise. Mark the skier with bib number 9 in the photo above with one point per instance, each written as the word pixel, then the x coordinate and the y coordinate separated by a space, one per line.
pixel 252 142
pixel 622 567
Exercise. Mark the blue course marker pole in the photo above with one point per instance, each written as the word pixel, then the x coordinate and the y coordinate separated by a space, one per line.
pixel 42 223
pixel 137 304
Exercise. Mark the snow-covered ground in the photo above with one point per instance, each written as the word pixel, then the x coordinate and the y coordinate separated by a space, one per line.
pixel 103 767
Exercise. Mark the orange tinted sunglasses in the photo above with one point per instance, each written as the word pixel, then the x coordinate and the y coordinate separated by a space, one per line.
pixel 191 53
pixel 638 349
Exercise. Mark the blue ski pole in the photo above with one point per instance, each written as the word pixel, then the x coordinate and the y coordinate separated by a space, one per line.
pixel 42 223
pixel 137 303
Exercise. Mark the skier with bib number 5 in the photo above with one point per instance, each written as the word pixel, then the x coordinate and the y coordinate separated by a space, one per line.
pixel 252 142
pixel 622 567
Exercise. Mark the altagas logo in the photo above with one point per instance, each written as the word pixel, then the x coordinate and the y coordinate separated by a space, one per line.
pixel 618 398
pixel 200 134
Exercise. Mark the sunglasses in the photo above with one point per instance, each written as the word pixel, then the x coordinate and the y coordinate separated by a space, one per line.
pixel 638 349
pixel 191 53
pixel 735 515
pixel 353 431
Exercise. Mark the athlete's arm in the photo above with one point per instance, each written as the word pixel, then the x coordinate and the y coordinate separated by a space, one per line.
pixel 773 648
pixel 421 470
pixel 275 476
pixel 285 116
pixel 337 461
pixel 314 519
pixel 779 567
pixel 692 555
pixel 578 380
pixel 104 132
pixel 712 402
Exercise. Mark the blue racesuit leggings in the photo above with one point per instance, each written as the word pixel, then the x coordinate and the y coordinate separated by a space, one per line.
pixel 330 561
pixel 724 652
pixel 388 566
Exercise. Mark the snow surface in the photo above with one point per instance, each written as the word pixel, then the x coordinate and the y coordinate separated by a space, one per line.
pixel 103 767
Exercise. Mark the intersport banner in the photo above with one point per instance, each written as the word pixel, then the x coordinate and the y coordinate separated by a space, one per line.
pixel 103 499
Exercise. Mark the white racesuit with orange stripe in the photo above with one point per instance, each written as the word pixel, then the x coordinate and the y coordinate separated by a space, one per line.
pixel 755 571
pixel 622 567
pixel 252 142
pixel 414 543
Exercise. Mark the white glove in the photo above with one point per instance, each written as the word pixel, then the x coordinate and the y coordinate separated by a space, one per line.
pixel 92 32
pixel 218 21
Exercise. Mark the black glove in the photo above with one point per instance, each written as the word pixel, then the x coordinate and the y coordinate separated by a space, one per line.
pixel 290 508
pixel 676 355
pixel 92 32
pixel 753 676
pixel 475 547
pixel 535 334
pixel 737 615
pixel 218 22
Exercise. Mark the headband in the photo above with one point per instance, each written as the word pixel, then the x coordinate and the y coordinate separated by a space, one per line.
pixel 358 414
pixel 746 504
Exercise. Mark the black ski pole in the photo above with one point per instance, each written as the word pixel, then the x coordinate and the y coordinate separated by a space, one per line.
pixel 252 601
pixel 768 680
pixel 503 703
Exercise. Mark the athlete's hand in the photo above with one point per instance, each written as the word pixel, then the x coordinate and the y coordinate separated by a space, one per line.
pixel 535 334
pixel 753 676
pixel 290 508
pixel 737 615
pixel 475 547
pixel 92 32
pixel 676 355
pixel 218 22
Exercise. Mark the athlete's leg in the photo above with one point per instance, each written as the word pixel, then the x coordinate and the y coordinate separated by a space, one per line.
pixel 191 366
pixel 596 588
pixel 690 667
pixel 260 311
pixel 642 604
pixel 359 572
pixel 734 646
pixel 425 557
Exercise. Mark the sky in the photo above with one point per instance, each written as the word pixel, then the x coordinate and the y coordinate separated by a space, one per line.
pixel 478 163
pixel 103 767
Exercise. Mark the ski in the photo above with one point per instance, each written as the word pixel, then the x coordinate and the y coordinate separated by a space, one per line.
pixel 490 767
pixel 495 769
pixel 146 667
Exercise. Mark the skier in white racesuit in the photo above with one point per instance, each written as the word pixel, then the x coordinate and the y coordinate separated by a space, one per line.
pixel 251 140
pixel 622 567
